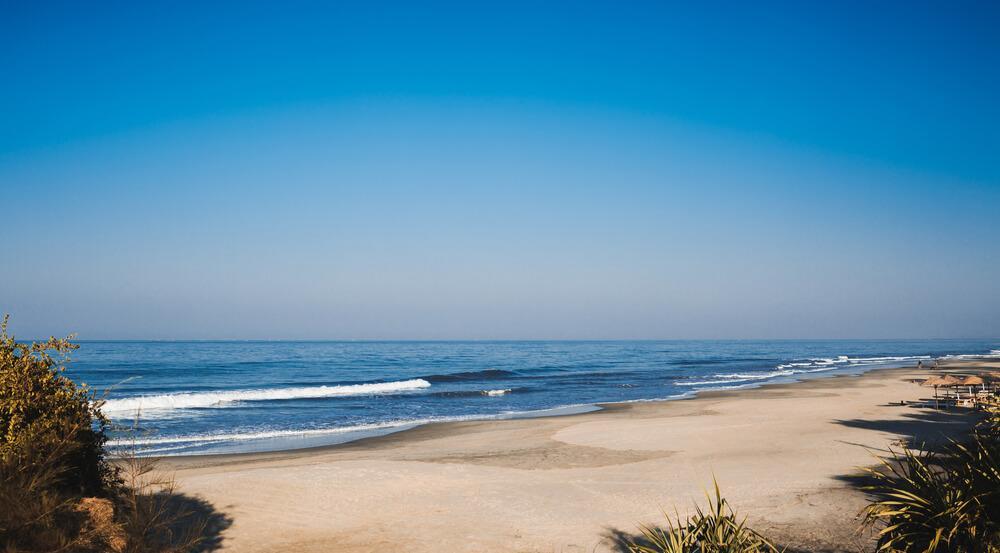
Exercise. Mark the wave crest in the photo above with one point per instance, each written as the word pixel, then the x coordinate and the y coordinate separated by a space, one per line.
pixel 814 365
pixel 189 400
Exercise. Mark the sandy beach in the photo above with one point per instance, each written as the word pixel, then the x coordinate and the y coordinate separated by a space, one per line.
pixel 783 454
pixel 499 277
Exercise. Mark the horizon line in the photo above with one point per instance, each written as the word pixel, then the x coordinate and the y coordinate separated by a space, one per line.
pixel 419 340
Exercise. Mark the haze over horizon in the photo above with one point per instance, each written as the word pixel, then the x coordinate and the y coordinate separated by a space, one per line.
pixel 506 171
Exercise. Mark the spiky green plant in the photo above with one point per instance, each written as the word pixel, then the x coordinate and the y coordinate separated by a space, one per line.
pixel 989 426
pixel 716 529
pixel 948 501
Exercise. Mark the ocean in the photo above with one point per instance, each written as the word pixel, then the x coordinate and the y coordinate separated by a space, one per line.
pixel 200 397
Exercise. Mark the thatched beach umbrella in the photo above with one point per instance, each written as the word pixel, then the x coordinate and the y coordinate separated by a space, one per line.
pixel 949 380
pixel 946 380
pixel 971 381
pixel 933 381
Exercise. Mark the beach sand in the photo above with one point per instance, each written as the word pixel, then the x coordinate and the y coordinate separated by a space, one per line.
pixel 787 455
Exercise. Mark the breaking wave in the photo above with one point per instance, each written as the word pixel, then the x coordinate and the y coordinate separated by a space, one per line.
pixel 804 366
pixel 189 400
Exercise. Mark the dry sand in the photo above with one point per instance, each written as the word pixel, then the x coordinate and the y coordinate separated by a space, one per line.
pixel 784 454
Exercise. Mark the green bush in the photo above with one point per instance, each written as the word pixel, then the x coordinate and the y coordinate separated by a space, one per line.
pixel 58 493
pixel 44 413
pixel 717 530
pixel 51 450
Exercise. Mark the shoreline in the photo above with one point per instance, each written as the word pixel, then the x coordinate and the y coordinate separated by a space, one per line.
pixel 784 454
pixel 337 437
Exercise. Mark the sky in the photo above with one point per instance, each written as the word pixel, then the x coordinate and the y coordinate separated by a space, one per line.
pixel 508 170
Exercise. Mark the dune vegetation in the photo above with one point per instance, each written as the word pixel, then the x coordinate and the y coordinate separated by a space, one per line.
pixel 716 529
pixel 945 500
pixel 58 489
pixel 941 500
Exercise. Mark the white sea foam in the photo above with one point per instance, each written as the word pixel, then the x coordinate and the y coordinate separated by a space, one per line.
pixel 815 365
pixel 188 400
pixel 262 435
pixel 706 382
pixel 739 377
pixel 993 353
pixel 496 392
pixel 845 360
pixel 151 445
pixel 758 375
pixel 732 387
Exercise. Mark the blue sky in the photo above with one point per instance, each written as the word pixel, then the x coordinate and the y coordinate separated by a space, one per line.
pixel 508 170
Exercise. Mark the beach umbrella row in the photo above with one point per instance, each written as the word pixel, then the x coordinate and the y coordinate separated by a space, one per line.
pixel 949 380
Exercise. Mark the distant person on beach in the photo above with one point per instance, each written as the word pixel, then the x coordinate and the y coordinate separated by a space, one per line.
pixel 920 364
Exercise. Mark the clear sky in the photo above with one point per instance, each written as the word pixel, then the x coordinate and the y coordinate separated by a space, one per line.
pixel 507 170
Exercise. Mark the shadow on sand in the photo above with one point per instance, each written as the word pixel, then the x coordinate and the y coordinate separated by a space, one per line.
pixel 919 427
pixel 922 427
pixel 925 429
pixel 192 520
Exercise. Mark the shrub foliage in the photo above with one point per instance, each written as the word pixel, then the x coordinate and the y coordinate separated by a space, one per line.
pixel 58 492
pixel 715 530
pixel 46 417
pixel 943 501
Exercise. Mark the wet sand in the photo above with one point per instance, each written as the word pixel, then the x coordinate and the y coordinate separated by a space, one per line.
pixel 784 454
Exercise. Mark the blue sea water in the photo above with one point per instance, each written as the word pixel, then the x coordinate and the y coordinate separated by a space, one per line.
pixel 220 397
